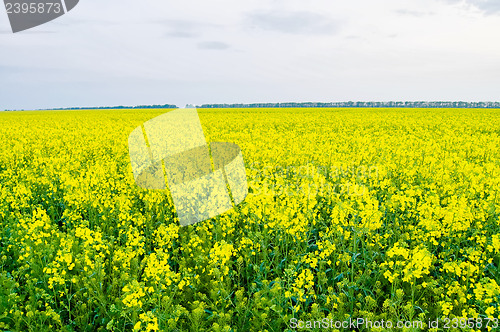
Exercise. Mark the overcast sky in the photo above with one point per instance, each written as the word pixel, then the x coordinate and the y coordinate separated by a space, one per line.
pixel 123 52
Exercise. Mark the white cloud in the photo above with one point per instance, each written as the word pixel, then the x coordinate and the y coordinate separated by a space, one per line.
pixel 213 45
pixel 485 6
pixel 300 22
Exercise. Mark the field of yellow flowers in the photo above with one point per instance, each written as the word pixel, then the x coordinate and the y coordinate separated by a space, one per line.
pixel 384 214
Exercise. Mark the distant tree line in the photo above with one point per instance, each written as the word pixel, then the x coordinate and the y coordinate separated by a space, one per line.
pixel 107 107
pixel 409 104
pixel 117 107
pixel 415 104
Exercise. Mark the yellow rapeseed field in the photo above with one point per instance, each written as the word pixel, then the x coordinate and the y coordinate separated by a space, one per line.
pixel 380 214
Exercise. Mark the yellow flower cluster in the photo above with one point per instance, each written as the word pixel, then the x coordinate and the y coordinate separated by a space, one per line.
pixel 134 294
pixel 219 257
pixel 407 264
pixel 303 285
pixel 157 270
pixel 148 323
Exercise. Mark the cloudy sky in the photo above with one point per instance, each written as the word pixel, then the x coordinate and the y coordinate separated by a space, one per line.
pixel 123 52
